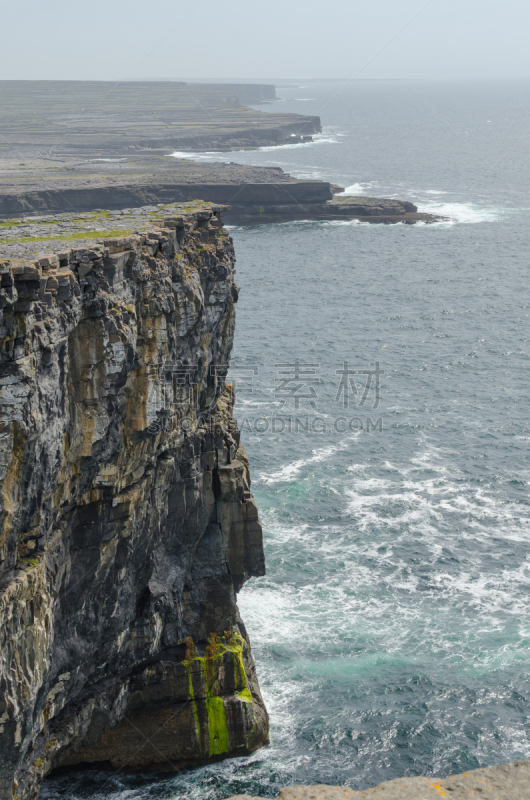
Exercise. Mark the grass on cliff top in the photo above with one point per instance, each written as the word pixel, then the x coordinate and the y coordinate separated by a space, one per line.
pixel 91 215
pixel 187 205
pixel 79 236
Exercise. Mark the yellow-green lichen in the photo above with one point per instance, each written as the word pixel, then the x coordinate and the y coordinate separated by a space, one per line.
pixel 191 655
pixel 30 561
pixel 217 729
pixel 218 736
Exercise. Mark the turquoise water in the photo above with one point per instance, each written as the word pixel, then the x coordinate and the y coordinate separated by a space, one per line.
pixel 392 631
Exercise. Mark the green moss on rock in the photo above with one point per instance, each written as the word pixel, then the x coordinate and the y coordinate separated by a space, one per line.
pixel 210 663
pixel 217 729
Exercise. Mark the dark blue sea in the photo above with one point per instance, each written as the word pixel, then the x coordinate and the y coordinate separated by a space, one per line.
pixel 382 376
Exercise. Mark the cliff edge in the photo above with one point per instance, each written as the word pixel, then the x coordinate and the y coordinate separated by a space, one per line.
pixel 127 524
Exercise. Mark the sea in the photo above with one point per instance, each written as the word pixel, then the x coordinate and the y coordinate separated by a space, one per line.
pixel 382 376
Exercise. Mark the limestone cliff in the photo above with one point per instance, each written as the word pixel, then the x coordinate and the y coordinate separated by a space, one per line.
pixel 126 520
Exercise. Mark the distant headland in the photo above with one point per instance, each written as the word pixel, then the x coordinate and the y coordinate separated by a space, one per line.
pixel 82 145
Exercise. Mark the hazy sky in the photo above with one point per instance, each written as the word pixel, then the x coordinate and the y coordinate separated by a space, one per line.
pixel 114 39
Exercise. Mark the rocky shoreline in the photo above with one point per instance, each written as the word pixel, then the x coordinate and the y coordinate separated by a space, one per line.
pixel 115 153
pixel 279 203
pixel 373 210
pixel 255 195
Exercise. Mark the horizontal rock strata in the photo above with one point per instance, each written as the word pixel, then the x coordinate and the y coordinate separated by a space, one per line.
pixel 250 203
pixel 294 206
pixel 83 145
pixel 127 524
pixel 87 119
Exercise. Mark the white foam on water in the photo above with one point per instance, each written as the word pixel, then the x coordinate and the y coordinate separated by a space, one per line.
pixel 288 617
pixel 242 404
pixel 357 189
pixel 463 213
pixel 456 213
pixel 269 611
pixel 318 138
pixel 225 156
pixel 420 570
pixel 289 472
pixel 345 223
pixel 442 512
pixel 277 607
pixel 342 223
pixel 200 156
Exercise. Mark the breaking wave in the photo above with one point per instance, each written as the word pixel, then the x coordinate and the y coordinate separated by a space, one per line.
pixel 464 213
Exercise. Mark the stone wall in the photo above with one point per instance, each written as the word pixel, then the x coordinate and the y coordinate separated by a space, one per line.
pixel 127 524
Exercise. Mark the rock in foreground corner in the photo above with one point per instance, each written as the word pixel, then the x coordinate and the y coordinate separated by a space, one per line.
pixel 505 782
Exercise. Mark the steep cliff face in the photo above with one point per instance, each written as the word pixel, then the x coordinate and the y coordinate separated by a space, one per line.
pixel 126 520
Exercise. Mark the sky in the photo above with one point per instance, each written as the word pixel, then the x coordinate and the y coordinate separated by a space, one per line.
pixel 277 39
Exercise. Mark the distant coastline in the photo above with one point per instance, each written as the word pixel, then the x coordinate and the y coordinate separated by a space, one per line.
pixel 107 147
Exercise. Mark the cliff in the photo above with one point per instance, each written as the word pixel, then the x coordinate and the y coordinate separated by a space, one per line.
pixel 256 195
pixel 127 524
pixel 246 195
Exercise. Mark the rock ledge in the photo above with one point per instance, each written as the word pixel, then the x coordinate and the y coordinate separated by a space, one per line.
pixel 505 782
